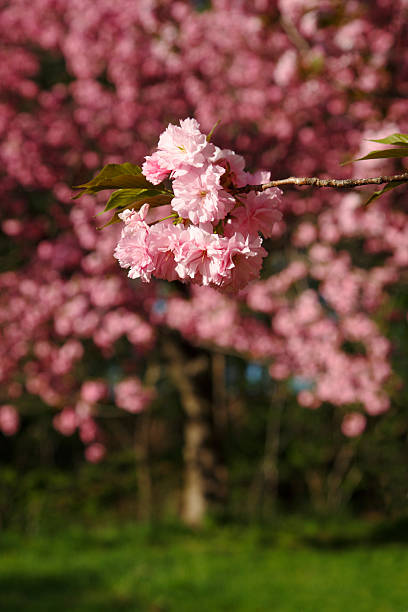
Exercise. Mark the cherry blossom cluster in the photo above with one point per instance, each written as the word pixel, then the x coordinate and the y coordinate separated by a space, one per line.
pixel 44 324
pixel 129 395
pixel 211 236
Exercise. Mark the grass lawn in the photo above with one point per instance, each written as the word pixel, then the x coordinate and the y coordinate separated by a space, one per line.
pixel 234 569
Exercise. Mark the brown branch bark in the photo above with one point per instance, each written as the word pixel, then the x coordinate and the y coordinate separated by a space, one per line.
pixel 294 35
pixel 335 183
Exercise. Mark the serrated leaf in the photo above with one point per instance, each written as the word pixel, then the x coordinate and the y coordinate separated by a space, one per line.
pixel 377 194
pixel 115 176
pixel 394 139
pixel 125 198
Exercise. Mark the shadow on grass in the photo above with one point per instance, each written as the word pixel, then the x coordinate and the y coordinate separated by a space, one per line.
pixel 394 532
pixel 79 592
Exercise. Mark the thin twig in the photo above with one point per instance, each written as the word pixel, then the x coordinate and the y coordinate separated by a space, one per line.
pixel 294 35
pixel 317 182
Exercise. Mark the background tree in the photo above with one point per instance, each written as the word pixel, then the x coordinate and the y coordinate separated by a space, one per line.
pixel 84 84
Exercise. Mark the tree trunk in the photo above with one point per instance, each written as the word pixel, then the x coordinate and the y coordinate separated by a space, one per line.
pixel 144 481
pixel 263 496
pixel 142 450
pixel 203 474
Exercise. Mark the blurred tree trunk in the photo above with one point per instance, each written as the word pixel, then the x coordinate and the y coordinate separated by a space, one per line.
pixel 203 474
pixel 330 489
pixel 144 481
pixel 219 403
pixel 337 492
pixel 142 449
pixel 263 494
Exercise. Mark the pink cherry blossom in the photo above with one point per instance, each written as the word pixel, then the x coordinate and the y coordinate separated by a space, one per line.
pixel 233 164
pixel 88 431
pixel 247 255
pixel 200 256
pixel 214 241
pixel 9 420
pixel 130 395
pixel 66 421
pixel 259 213
pixel 132 250
pixel 164 240
pixel 184 145
pixel 93 391
pixel 94 453
pixel 153 169
pixel 196 247
pixel 199 196
pixel 353 424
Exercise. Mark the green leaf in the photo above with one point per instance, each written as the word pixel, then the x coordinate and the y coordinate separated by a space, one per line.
pixel 124 198
pixel 135 201
pixel 159 198
pixel 374 196
pixel 381 154
pixel 209 136
pixel 112 220
pixel 385 153
pixel 394 139
pixel 115 176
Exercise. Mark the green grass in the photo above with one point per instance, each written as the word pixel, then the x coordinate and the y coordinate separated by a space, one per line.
pixel 234 569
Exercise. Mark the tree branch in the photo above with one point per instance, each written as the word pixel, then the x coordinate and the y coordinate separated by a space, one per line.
pixel 293 34
pixel 335 183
